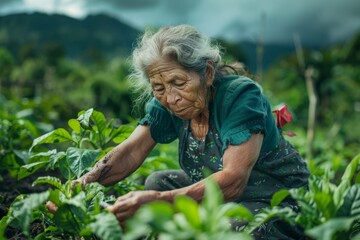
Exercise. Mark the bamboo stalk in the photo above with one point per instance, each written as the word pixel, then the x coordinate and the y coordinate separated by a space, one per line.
pixel 308 73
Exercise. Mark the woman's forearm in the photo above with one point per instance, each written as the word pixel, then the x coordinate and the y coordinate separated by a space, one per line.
pixel 231 187
pixel 114 166
pixel 123 160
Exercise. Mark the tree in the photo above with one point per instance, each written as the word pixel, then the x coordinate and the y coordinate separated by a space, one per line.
pixel 7 63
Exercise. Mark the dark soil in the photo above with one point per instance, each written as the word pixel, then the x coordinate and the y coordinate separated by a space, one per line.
pixel 10 188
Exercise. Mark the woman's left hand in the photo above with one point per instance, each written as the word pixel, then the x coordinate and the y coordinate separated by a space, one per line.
pixel 126 206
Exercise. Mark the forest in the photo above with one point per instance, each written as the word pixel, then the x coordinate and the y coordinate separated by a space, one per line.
pixel 60 113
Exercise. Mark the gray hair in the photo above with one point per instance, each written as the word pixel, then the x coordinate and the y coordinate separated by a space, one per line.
pixel 184 43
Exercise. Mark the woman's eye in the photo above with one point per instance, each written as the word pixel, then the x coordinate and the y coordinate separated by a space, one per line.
pixel 158 89
pixel 179 84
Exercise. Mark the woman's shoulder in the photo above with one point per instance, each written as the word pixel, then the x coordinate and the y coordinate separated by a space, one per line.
pixel 233 84
pixel 229 88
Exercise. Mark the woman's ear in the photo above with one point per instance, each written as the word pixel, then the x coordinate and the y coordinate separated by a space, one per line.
pixel 210 73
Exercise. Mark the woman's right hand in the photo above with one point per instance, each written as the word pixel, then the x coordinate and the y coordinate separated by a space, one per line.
pixel 78 181
pixel 83 180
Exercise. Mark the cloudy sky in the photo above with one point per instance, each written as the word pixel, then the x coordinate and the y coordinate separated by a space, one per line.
pixel 315 21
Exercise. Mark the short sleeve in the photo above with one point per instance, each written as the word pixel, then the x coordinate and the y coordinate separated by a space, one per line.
pixel 162 127
pixel 243 112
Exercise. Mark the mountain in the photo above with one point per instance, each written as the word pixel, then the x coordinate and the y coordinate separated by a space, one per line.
pixel 77 38
pixel 100 36
pixel 269 53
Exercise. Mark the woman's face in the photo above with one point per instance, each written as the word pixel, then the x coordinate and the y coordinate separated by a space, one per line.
pixel 178 89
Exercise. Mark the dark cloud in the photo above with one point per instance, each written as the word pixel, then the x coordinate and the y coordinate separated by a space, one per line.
pixel 7 2
pixel 124 4
pixel 9 5
pixel 315 21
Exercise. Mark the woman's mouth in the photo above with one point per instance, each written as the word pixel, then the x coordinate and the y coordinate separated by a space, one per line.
pixel 180 112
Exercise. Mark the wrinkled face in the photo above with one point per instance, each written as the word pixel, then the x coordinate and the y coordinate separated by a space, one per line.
pixel 178 89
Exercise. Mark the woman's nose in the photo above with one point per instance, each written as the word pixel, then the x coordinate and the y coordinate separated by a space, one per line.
pixel 172 98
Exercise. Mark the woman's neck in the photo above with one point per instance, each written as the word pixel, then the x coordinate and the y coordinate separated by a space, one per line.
pixel 200 125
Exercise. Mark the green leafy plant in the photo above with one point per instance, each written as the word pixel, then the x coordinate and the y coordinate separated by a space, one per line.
pixel 73 153
pixel 327 211
pixel 78 214
pixel 186 219
pixel 16 135
pixel 74 213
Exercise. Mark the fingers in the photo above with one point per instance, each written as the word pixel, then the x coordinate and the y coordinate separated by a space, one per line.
pixel 123 215
pixel 74 183
pixel 81 180
pixel 125 206
pixel 122 205
pixel 51 207
pixel 83 183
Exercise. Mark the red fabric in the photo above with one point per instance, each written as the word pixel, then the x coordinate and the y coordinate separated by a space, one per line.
pixel 283 116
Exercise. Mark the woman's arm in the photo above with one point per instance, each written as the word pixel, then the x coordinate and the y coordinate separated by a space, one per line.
pixel 238 162
pixel 121 161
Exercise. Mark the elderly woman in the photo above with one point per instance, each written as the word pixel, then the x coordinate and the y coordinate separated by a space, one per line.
pixel 223 122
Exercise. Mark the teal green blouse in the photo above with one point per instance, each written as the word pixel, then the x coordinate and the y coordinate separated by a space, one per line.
pixel 239 108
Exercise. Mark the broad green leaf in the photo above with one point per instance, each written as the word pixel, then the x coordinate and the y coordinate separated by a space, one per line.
pixel 93 189
pixel 155 214
pixel 42 156
pixel 357 179
pixel 28 169
pixel 340 192
pixel 106 227
pixel 351 204
pixel 190 209
pixel 266 214
pixel 84 119
pixel 77 201
pixel 236 211
pixel 80 159
pixel 54 181
pixel 356 236
pixel 213 195
pixel 325 204
pixel 64 168
pixel 100 121
pixel 23 155
pixel 22 210
pixel 182 222
pixel 315 183
pixel 350 169
pixel 278 197
pixel 74 124
pixel 55 158
pixel 122 133
pixel 56 136
pixel 136 230
pixel 66 220
pixel 3 225
pixel 327 230
pixel 94 196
